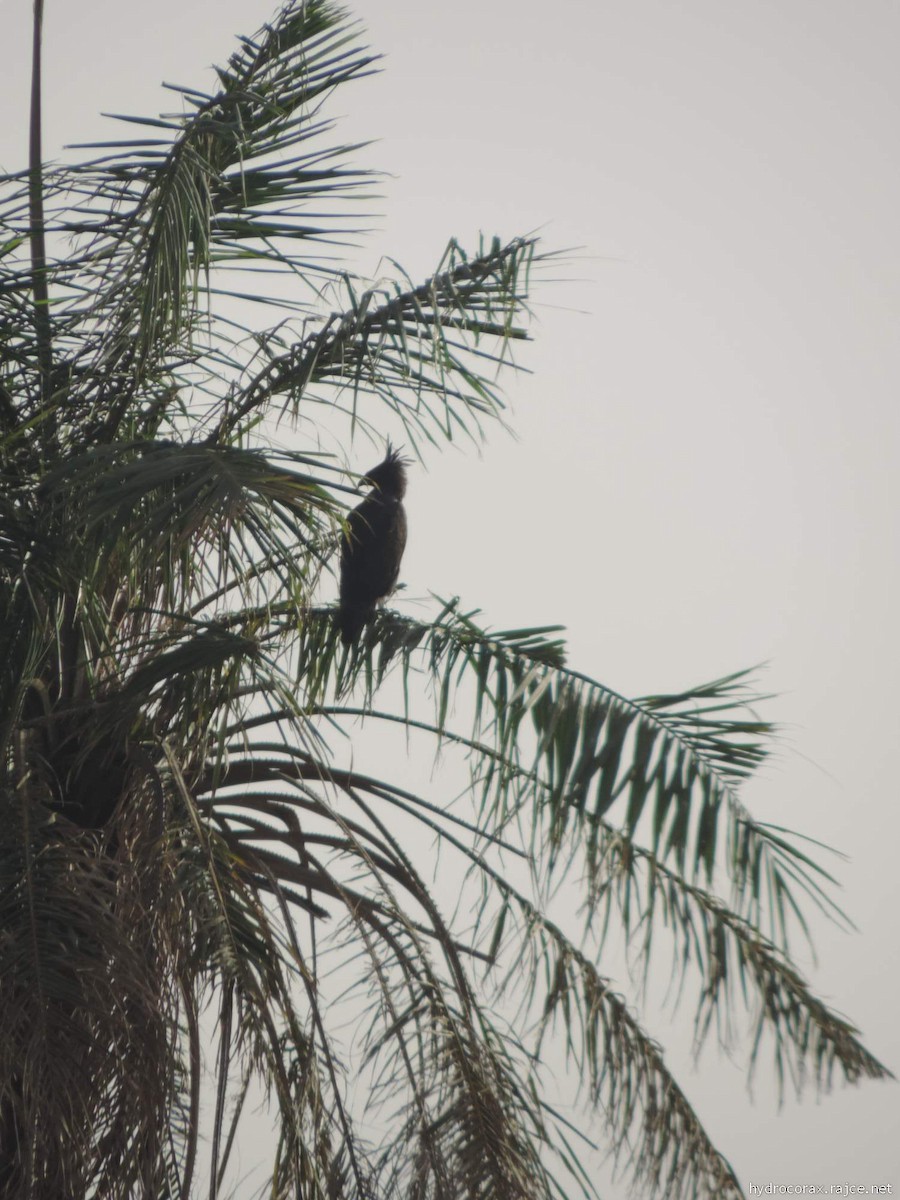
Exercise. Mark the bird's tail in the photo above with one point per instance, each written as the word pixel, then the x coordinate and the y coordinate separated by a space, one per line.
pixel 351 619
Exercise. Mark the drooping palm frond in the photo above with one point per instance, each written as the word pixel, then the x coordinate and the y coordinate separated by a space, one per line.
pixel 90 1039
pixel 523 771
pixel 550 734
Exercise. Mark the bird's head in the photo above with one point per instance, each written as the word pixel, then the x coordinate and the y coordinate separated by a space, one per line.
pixel 390 474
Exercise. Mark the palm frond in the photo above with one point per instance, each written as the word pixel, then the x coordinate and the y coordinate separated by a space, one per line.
pixel 623 1069
pixel 422 350
pixel 234 180
pixel 79 956
pixel 668 766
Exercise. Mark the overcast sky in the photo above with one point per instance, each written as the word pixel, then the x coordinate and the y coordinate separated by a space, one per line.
pixel 706 471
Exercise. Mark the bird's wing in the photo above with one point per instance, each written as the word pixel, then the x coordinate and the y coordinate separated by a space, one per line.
pixel 372 547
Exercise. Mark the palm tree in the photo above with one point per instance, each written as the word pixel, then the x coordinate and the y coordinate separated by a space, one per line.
pixel 187 853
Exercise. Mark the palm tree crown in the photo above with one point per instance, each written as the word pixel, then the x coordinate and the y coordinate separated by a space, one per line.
pixel 185 849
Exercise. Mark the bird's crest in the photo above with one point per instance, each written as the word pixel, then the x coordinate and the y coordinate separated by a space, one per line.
pixel 390 474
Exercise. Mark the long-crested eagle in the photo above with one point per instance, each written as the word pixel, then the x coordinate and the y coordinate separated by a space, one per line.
pixel 372 545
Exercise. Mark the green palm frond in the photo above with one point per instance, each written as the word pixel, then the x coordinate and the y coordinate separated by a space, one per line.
pixel 159 497
pixel 430 352
pixel 237 179
pixel 544 734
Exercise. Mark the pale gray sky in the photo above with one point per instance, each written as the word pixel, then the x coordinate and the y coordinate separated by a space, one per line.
pixel 706 475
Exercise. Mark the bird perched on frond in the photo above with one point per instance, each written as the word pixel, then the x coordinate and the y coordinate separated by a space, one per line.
pixel 372 545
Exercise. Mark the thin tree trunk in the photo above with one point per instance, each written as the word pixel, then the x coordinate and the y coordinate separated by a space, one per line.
pixel 40 290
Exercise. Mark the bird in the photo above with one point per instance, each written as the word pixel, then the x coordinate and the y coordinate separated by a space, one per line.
pixel 372 545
